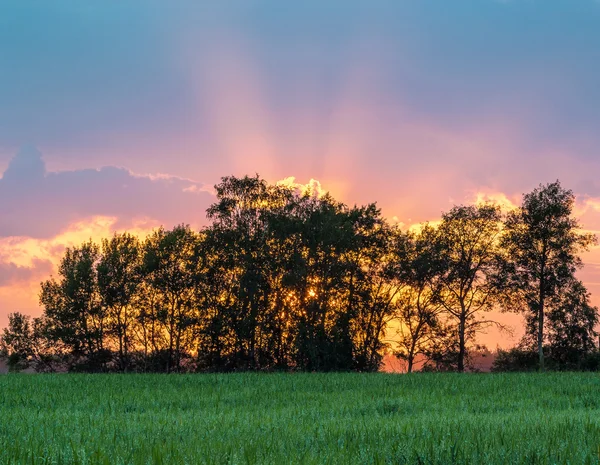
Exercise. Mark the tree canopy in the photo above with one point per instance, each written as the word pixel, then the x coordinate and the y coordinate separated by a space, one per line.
pixel 284 279
pixel 542 242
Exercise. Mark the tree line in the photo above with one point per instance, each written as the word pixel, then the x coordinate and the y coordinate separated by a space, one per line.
pixel 284 279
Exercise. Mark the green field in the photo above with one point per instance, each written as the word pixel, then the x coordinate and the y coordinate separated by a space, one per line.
pixel 300 418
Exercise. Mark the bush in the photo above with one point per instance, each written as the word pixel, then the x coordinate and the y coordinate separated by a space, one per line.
pixel 515 359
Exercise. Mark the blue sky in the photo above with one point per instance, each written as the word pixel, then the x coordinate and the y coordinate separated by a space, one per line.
pixel 88 80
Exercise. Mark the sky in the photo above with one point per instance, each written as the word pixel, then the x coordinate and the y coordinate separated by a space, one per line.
pixel 122 115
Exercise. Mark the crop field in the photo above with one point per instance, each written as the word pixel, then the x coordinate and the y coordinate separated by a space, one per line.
pixel 300 418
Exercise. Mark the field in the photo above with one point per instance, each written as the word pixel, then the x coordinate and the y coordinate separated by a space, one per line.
pixel 300 418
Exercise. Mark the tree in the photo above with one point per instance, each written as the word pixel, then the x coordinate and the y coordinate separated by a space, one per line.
pixel 571 326
pixel 468 238
pixel 317 279
pixel 542 242
pixel 419 267
pixel 570 335
pixel 170 266
pixel 25 344
pixel 73 310
pixel 339 288
pixel 243 266
pixel 373 285
pixel 16 342
pixel 298 279
pixel 119 276
pixel 285 278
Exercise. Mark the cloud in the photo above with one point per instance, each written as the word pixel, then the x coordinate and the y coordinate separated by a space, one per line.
pixel 40 204
pixel 11 274
pixel 312 187
pixel 26 261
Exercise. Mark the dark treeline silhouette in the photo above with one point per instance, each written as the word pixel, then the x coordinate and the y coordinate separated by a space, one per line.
pixel 291 280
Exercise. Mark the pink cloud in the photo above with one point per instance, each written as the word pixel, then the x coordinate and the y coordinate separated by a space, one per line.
pixel 40 204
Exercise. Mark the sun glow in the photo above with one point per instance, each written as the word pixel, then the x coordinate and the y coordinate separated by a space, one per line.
pixel 36 259
pixel 312 187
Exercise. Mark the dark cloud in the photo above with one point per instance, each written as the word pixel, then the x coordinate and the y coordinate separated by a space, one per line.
pixel 11 274
pixel 25 168
pixel 40 204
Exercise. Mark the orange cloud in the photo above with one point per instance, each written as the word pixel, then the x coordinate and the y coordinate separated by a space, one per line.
pixel 313 186
pixel 40 258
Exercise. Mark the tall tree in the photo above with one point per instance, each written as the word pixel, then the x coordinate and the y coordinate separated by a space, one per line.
pixel 321 284
pixel 469 239
pixel 243 261
pixel 542 242
pixel 419 266
pixel 170 266
pixel 119 276
pixel 373 285
pixel 73 309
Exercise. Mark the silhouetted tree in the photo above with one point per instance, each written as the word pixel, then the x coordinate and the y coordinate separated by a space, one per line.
pixel 469 239
pixel 119 276
pixel 242 268
pixel 571 326
pixel 420 267
pixel 25 344
pixel 541 244
pixel 73 308
pixel 316 284
pixel 286 278
pixel 16 342
pixel 373 285
pixel 170 264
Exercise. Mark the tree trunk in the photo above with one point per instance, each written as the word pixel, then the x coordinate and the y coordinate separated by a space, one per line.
pixel 540 335
pixel 411 355
pixel 171 337
pixel 461 344
pixel 120 336
pixel 540 338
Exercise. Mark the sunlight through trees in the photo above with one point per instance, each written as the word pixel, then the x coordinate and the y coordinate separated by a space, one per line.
pixel 285 279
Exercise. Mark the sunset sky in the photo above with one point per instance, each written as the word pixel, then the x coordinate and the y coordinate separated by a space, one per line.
pixel 123 115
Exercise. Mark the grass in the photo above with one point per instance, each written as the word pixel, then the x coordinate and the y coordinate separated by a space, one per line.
pixel 300 418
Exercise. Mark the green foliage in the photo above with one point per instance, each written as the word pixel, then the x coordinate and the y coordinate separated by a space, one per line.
pixel 76 318
pixel 281 279
pixel 435 419
pixel 25 343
